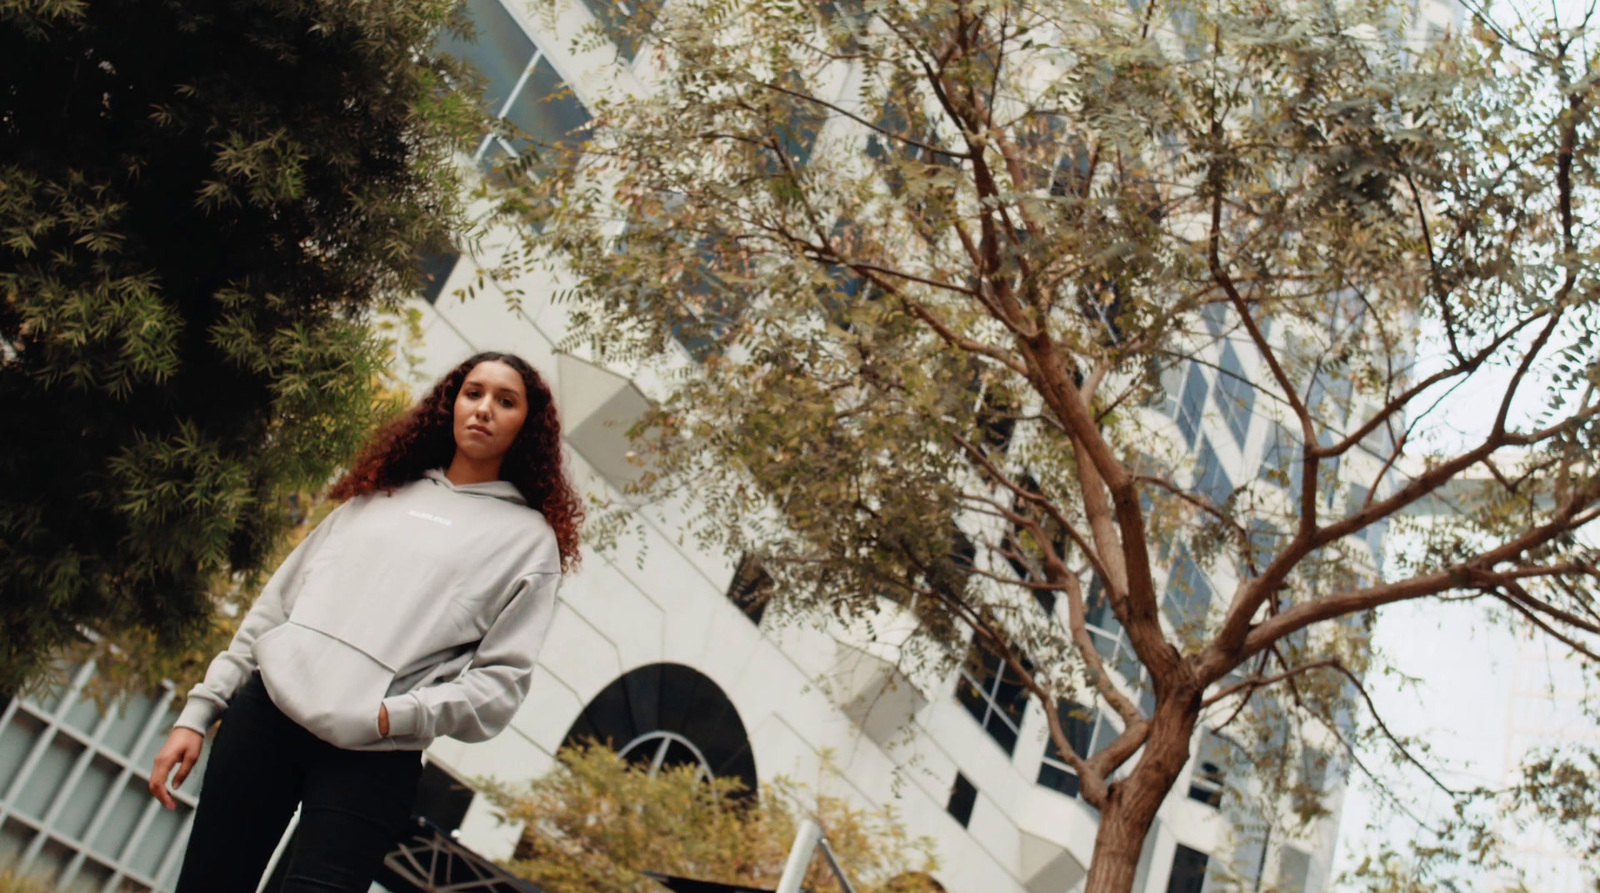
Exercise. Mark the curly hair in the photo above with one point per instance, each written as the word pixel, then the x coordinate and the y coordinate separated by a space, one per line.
pixel 424 438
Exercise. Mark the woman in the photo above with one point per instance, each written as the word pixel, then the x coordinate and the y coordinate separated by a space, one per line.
pixel 414 610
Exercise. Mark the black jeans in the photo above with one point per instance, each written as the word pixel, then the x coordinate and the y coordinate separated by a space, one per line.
pixel 354 805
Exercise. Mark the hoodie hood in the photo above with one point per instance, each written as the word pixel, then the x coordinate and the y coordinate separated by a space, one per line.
pixel 494 489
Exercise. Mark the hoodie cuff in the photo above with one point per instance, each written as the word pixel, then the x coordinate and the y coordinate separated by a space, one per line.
pixel 404 715
pixel 198 714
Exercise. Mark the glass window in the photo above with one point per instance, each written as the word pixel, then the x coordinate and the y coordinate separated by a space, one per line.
pixel 1211 479
pixel 547 117
pixel 1265 541
pixel 750 588
pixel 158 838
pixel 1188 593
pixel 1236 397
pixel 40 787
pixel 1192 404
pixel 436 269
pixel 963 796
pixel 1282 461
pixel 1210 770
pixel 1188 871
pixel 124 817
pixel 993 695
pixel 16 740
pixel 499 50
pixel 86 797
pixel 125 723
pixel 1080 724
pixel 83 716
pixel 626 22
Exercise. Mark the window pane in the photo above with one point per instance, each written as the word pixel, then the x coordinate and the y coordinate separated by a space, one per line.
pixel 131 803
pixel 1058 779
pixel 1188 871
pixel 499 50
pixel 16 739
pixel 158 838
pixel 1003 733
pixel 625 22
pixel 83 716
pixel 1235 396
pixel 963 796
pixel 86 797
pixel 40 787
pixel 152 744
pixel 91 876
pixel 969 696
pixel 51 861
pixel 127 720
pixel 14 838
pixel 1192 404
pixel 546 115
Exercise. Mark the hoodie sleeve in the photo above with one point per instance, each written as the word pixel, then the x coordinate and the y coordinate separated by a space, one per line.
pixel 229 670
pixel 478 704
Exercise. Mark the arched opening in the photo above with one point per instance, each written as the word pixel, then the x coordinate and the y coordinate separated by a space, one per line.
pixel 666 715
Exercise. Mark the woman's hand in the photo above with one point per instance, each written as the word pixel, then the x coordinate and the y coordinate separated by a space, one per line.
pixel 182 750
pixel 383 720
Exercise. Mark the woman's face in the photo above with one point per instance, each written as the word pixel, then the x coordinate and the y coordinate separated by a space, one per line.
pixel 490 410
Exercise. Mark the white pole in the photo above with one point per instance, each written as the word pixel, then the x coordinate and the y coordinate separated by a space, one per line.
pixel 277 854
pixel 794 871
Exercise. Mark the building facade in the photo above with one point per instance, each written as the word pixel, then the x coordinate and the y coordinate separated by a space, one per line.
pixel 657 648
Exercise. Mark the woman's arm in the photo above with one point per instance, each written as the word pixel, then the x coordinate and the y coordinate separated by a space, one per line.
pixel 479 703
pixel 229 670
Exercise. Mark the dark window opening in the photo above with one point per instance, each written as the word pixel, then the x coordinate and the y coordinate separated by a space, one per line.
pixel 1188 871
pixel 1080 724
pixel 436 269
pixel 992 693
pixel 750 588
pixel 963 796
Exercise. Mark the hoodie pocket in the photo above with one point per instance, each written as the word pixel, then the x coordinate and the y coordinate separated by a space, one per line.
pixel 328 686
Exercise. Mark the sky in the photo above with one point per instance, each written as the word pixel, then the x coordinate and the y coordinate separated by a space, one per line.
pixel 1480 695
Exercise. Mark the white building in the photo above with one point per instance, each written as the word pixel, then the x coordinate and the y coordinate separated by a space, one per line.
pixel 653 648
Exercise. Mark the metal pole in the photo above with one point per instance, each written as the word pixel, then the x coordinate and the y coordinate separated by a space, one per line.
pixel 277 854
pixel 833 863
pixel 794 871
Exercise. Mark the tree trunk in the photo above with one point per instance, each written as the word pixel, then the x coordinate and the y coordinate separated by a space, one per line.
pixel 1131 803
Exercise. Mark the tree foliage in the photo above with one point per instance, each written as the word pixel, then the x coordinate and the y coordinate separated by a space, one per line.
pixel 595 822
pixel 953 271
pixel 201 208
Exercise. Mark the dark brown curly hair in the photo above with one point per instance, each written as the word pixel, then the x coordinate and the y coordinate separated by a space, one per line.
pixel 424 438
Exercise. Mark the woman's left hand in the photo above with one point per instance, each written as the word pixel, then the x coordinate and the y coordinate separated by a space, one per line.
pixel 383 720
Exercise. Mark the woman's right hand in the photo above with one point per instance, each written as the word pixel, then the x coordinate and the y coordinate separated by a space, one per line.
pixel 182 750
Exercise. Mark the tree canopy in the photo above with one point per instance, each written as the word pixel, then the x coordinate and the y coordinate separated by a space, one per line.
pixel 989 303
pixel 202 207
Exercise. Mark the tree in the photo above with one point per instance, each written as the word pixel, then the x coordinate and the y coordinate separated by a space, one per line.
pixel 595 822
pixel 202 206
pixel 945 265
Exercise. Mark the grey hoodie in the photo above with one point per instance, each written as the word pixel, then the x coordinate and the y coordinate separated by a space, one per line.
pixel 433 600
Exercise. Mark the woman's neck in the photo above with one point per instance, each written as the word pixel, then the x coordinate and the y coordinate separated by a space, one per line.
pixel 464 470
